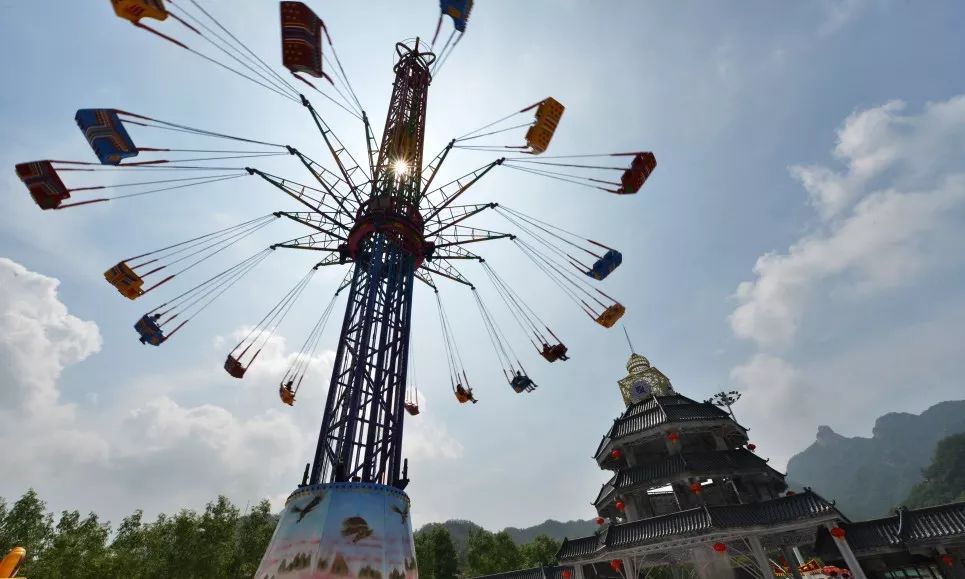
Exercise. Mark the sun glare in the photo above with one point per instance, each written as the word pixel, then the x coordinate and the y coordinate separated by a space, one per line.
pixel 400 167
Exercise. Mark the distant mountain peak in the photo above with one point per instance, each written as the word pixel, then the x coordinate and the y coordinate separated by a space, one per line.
pixel 870 476
pixel 826 435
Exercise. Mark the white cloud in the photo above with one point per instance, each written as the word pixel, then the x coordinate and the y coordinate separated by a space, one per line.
pixel 840 13
pixel 38 338
pixel 907 369
pixel 146 447
pixel 888 237
pixel 776 404
pixel 426 438
pixel 891 219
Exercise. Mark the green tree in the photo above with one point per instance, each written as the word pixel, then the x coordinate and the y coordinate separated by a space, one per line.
pixel 445 555
pixel 507 554
pixel 254 534
pixel 217 532
pixel 77 550
pixel 425 556
pixel 27 524
pixel 129 549
pixel 436 555
pixel 540 551
pixel 173 546
pixel 492 553
pixel 479 548
pixel 944 478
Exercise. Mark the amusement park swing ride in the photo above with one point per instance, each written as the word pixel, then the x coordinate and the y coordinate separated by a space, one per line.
pixel 389 220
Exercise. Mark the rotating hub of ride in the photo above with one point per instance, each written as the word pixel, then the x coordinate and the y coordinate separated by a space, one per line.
pixel 397 219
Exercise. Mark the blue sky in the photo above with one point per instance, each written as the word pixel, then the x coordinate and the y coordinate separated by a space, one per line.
pixel 800 240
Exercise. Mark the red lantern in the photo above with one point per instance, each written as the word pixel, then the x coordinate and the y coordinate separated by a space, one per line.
pixel 751 446
pixel 948 560
pixel 600 520
pixel 616 454
pixel 673 436
pixel 790 493
pixel 695 488
pixel 620 506
pixel 837 532
pixel 565 574
pixel 720 547
pixel 616 564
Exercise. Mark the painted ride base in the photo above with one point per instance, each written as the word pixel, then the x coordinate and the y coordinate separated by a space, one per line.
pixel 342 531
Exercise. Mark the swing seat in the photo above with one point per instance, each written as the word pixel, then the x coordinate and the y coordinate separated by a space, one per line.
pixel 554 352
pixel 464 395
pixel 458 10
pixel 640 168
pixel 548 115
pixel 411 408
pixel 611 315
pixel 44 184
pixel 106 135
pixel 286 394
pixel 123 278
pixel 605 265
pixel 521 383
pixel 301 39
pixel 234 367
pixel 149 331
pixel 134 10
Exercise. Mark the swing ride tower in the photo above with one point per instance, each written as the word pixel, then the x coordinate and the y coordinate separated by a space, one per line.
pixel 386 220
pixel 361 433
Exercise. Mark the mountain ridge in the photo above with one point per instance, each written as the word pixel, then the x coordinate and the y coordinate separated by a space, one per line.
pixel 870 476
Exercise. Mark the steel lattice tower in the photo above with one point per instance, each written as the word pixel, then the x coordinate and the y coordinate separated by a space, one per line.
pixel 361 432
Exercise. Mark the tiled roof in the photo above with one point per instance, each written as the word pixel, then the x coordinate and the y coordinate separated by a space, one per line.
pixel 550 572
pixel 658 410
pixel 802 506
pixel 688 522
pixel 908 526
pixel 705 463
pixel 933 523
pixel 785 509
pixel 579 548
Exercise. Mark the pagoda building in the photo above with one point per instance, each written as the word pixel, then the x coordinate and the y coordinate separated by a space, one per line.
pixel 690 497
pixel 689 492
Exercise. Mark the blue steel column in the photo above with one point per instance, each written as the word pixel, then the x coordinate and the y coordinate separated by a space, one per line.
pixel 361 433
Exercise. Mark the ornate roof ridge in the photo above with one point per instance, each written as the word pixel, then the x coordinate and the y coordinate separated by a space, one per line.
pixel 697 463
pixel 806 504
pixel 905 528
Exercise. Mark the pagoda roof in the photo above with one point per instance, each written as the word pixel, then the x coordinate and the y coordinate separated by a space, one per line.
pixel 906 528
pixel 660 410
pixel 699 521
pixel 548 572
pixel 704 463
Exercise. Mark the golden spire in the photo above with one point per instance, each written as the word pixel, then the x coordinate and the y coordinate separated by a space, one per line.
pixel 642 380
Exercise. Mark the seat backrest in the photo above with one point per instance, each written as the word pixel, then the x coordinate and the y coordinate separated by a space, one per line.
pixel 301 39
pixel 134 10
pixel 44 183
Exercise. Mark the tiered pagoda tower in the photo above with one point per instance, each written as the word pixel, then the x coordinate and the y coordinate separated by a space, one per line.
pixel 689 492
pixel 670 454
pixel 690 496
